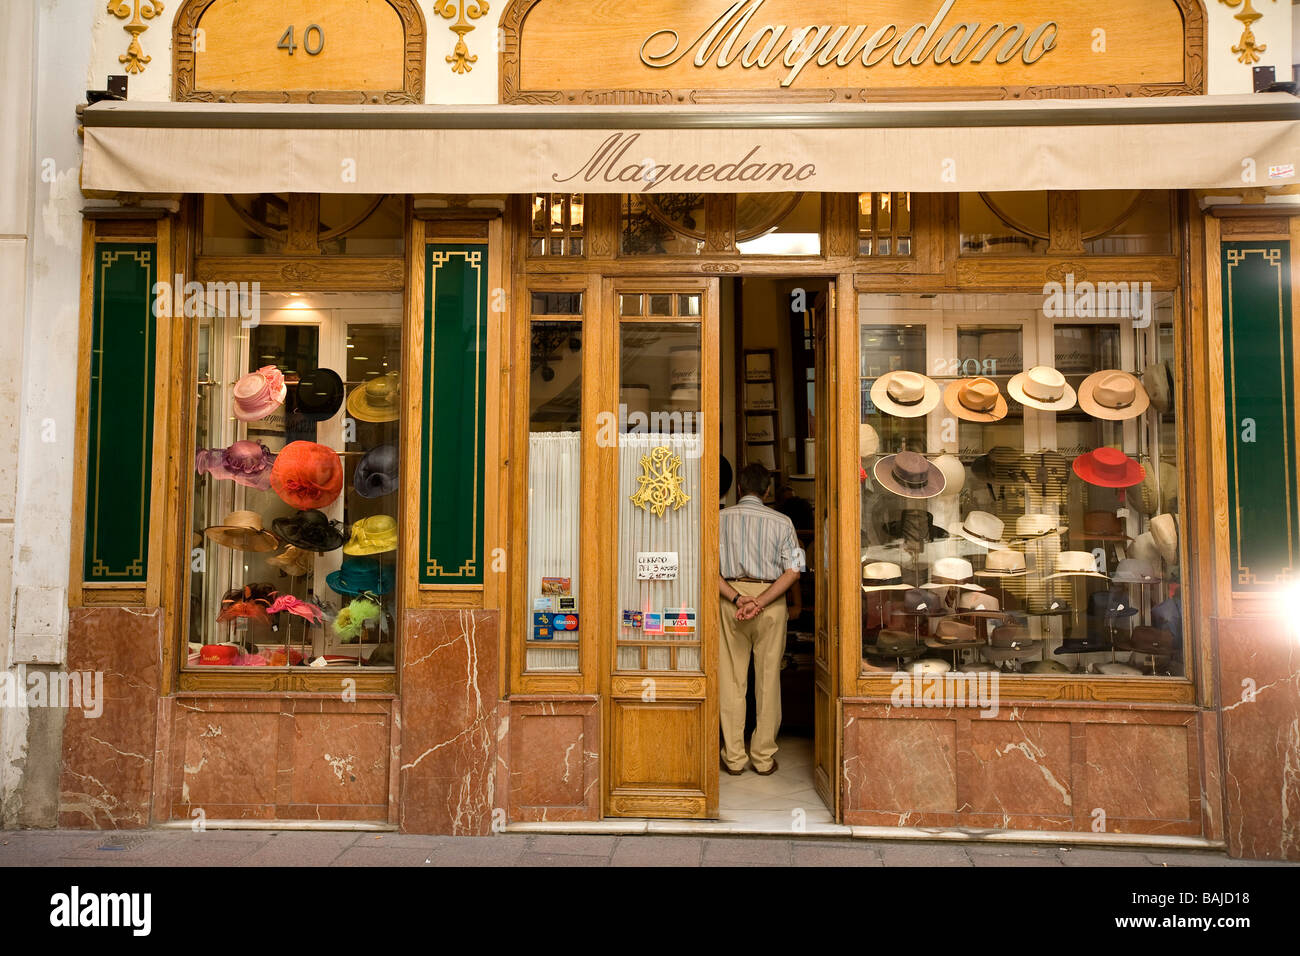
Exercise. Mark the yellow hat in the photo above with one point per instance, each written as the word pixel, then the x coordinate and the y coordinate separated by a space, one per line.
pixel 378 400
pixel 373 535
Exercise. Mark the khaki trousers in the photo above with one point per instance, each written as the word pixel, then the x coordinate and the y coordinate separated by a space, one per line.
pixel 764 638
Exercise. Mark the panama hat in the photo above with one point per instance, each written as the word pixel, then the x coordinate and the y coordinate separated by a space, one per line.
pixel 293 561
pixel 1032 527
pixel 1003 564
pixel 1104 526
pixel 952 573
pixel 954 475
pixel 1069 563
pixel 1113 395
pixel 259 393
pixel 319 395
pixel 376 473
pixel 374 535
pixel 1164 530
pixel 307 475
pixel 1108 467
pixel 975 400
pixel 1144 548
pixel 310 530
pixel 868 441
pixel 247 463
pixel 378 400
pixel 909 475
pixel 1135 571
pixel 982 528
pixel 1157 492
pixel 882 576
pixel 243 531
pixel 905 394
pixel 1158 380
pixel 1044 388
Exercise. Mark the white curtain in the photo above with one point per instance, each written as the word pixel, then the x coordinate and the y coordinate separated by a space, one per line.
pixel 676 531
pixel 554 495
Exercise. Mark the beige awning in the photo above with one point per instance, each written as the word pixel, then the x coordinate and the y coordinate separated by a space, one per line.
pixel 1194 142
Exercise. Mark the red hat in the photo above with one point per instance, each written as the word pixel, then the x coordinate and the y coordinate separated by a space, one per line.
pixel 307 475
pixel 1105 467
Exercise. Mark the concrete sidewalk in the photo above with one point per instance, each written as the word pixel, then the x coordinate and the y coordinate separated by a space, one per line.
pixel 215 847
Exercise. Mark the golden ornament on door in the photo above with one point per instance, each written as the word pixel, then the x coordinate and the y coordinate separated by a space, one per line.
pixel 660 484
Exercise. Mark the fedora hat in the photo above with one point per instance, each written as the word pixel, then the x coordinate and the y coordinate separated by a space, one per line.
pixel 1110 605
pixel 307 475
pixel 1070 563
pixel 1003 564
pixel 1044 667
pixel 1113 395
pixel 259 393
pixel 319 395
pixel 374 535
pixel 1108 467
pixel 922 603
pixel 1104 526
pixel 982 528
pixel 1056 607
pixel 378 400
pixel 1093 641
pixel 1144 548
pixel 1032 527
pixel 376 473
pixel 247 463
pixel 1042 387
pixel 912 525
pixel 1135 571
pixel 951 631
pixel 243 531
pixel 1157 492
pixel 868 441
pixel 1164 530
pixel 954 475
pixel 890 643
pixel 1158 380
pixel 905 394
pixel 360 575
pixel 1147 640
pixel 882 576
pixel 975 400
pixel 293 561
pixel 310 530
pixel 975 604
pixel 1168 616
pixel 1010 642
pixel 909 475
pixel 952 573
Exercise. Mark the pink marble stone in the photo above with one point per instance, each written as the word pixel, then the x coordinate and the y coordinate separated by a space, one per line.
pixel 552 760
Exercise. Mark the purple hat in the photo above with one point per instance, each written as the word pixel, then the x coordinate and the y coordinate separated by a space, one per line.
pixel 247 462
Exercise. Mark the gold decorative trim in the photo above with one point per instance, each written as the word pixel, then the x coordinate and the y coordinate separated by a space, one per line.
pixel 1248 48
pixel 135 58
pixel 461 59
pixel 659 485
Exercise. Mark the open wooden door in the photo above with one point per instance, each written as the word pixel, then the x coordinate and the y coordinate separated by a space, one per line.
pixel 823 560
pixel 660 662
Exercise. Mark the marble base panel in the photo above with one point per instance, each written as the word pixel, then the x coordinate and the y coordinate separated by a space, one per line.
pixel 1101 768
pixel 306 757
pixel 108 759
pixel 548 759
pixel 449 707
pixel 1259 693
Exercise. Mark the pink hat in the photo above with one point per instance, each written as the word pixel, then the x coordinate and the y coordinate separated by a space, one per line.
pixel 248 463
pixel 258 393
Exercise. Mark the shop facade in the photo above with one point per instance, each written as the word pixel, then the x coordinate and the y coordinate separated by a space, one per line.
pixel 393 500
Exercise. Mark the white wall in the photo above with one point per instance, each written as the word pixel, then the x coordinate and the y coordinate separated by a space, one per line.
pixel 1226 74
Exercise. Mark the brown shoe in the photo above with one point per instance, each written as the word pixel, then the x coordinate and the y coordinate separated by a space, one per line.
pixel 734 773
pixel 768 772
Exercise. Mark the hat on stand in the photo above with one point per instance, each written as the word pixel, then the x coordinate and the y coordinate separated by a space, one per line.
pixel 975 400
pixel 247 463
pixel 954 475
pixel 1104 526
pixel 1157 492
pixel 1003 564
pixel 982 528
pixel 1110 605
pixel 1135 571
pixel 1045 667
pixel 1094 640
pixel 293 561
pixel 1032 527
pixel 1168 616
pixel 908 475
pixel 1147 640
pixel 1113 395
pixel 1114 668
pixel 319 395
pixel 310 530
pixel 1010 642
pixel 928 665
pixel 1108 467
pixel 1158 380
pixel 1070 563
pixel 1144 548
pixel 1044 388
pixel 307 475
pixel 1164 530
pixel 868 441
pixel 951 635
pixel 890 643
pixel 359 575
pixel 374 535
pixel 259 393
pixel 905 394
pixel 378 400
pixel 918 602
pixel 882 576
pixel 376 473
pixel 912 525
pixel 952 573
pixel 976 604
pixel 243 531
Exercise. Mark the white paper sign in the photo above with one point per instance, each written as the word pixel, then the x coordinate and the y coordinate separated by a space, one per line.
pixel 656 565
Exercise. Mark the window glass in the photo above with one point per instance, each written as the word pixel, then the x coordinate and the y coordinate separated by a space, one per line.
pixel 1003 224
pixel 1019 490
pixel 295 531
pixel 659 225
pixel 779 224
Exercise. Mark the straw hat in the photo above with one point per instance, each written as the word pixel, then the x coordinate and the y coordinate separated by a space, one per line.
pixel 259 393
pixel 373 535
pixel 378 400
pixel 1031 527
pixel 1108 467
pixel 293 561
pixel 882 576
pixel 1003 564
pixel 909 475
pixel 1158 491
pixel 952 573
pixel 1042 387
pixel 1144 548
pixel 243 531
pixel 983 529
pixel 1071 563
pixel 1114 668
pixel 1164 530
pixel 1113 395
pixel 954 475
pixel 905 394
pixel 868 441
pixel 975 400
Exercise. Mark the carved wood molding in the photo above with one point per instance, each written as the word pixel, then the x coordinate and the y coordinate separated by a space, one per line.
pixel 290 273
pixel 510 91
pixel 415 41
pixel 1081 688
pixel 289 682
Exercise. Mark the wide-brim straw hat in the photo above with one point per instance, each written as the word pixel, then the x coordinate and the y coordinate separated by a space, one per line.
pixel 975 400
pixel 378 400
pixel 294 561
pixel 982 528
pixel 1113 395
pixel 1004 564
pixel 908 475
pixel 243 531
pixel 1033 527
pixel 905 394
pixel 882 576
pixel 1076 564
pixel 952 573
pixel 954 475
pixel 929 665
pixel 1044 388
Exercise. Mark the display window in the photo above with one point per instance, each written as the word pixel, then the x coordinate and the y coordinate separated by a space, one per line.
pixel 296 485
pixel 1019 484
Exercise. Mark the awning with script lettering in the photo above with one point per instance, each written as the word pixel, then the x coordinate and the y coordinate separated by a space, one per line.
pixel 1193 142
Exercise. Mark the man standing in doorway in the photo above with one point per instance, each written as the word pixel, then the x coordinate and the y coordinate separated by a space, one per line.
pixel 760 559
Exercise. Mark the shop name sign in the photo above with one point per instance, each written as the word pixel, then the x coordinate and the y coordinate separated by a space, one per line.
pixel 734 40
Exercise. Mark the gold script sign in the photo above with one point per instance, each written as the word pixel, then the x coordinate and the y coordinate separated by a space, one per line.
pixel 329 51
pixel 828 50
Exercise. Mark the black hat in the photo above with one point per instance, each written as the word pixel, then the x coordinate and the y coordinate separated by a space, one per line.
pixel 310 530
pixel 923 603
pixel 1110 605
pixel 319 395
pixel 1095 640
pixel 376 473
